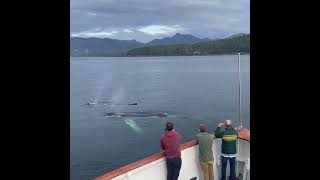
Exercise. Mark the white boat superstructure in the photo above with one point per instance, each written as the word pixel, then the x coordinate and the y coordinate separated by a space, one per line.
pixel 154 167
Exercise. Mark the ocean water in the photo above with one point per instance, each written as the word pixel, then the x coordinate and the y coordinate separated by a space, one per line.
pixel 192 90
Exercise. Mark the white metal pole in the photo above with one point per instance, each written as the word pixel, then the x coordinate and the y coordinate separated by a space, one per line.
pixel 239 83
pixel 239 111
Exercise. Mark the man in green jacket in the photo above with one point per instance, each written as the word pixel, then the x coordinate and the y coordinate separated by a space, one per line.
pixel 205 152
pixel 228 148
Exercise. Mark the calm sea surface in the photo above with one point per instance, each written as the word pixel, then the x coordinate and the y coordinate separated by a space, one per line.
pixel 192 90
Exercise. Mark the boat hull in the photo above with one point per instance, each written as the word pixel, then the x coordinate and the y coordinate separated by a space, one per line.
pixel 154 167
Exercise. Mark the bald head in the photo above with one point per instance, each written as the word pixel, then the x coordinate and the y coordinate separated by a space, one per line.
pixel 228 123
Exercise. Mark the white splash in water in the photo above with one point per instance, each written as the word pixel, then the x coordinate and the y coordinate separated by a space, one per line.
pixel 118 96
pixel 133 125
pixel 103 83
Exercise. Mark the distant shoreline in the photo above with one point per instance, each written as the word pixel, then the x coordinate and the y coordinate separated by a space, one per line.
pixel 160 56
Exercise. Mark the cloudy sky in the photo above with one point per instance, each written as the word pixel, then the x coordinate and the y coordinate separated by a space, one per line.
pixel 145 20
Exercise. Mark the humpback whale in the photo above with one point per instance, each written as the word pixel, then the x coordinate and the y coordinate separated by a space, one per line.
pixel 136 114
pixel 90 103
pixel 133 104
pixel 109 103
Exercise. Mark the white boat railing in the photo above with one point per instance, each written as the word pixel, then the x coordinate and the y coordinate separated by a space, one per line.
pixel 154 167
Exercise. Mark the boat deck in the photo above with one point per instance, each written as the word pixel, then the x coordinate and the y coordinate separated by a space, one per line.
pixel 154 166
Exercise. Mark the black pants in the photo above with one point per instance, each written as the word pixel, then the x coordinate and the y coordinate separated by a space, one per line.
pixel 173 168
